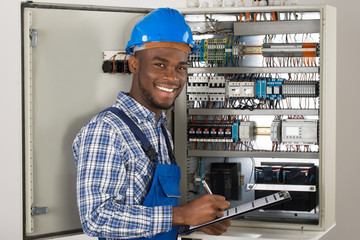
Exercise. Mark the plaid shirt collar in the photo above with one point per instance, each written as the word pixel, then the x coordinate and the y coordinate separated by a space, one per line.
pixel 138 112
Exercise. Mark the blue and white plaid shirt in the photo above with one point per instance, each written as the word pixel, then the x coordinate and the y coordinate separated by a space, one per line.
pixel 114 175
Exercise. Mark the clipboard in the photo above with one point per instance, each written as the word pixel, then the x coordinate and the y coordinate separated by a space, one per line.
pixel 269 200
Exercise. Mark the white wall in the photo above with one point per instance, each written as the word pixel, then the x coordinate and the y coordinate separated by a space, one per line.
pixel 348 162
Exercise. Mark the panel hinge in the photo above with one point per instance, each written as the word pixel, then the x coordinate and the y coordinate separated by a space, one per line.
pixel 33 37
pixel 39 210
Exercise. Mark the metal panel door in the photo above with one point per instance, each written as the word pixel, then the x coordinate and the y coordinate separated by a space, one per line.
pixel 63 86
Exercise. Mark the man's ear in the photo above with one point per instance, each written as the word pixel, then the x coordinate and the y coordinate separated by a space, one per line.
pixel 133 64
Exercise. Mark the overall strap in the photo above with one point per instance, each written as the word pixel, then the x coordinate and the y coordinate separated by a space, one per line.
pixel 140 136
pixel 168 145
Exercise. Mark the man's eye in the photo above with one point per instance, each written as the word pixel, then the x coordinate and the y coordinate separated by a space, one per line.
pixel 159 65
pixel 182 68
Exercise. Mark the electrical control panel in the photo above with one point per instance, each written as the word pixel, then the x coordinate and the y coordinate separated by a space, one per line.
pixel 257 114
pixel 258 97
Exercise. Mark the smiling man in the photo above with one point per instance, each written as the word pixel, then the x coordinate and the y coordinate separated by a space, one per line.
pixel 127 177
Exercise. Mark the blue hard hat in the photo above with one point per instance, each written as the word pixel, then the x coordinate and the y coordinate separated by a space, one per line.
pixel 162 25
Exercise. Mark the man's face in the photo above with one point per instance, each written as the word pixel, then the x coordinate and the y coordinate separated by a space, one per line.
pixel 159 76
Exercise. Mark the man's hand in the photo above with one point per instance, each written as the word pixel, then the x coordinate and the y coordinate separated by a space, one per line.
pixel 216 228
pixel 200 210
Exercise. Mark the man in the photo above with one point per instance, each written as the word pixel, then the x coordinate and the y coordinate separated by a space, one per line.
pixel 127 178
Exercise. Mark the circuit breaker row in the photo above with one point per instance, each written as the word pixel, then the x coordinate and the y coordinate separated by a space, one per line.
pixel 286 131
pixel 216 88
pixel 200 132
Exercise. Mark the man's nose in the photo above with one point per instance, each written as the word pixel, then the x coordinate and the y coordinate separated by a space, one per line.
pixel 171 75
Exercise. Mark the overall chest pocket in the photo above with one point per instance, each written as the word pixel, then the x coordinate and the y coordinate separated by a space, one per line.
pixel 169 181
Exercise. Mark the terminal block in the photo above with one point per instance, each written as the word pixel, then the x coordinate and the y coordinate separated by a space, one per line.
pixel 300 89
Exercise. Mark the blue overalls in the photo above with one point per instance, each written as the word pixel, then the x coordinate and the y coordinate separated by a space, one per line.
pixel 165 184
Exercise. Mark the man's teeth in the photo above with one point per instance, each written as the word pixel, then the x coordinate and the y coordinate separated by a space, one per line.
pixel 165 89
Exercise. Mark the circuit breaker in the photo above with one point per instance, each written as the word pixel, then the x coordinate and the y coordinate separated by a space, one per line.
pixel 266 75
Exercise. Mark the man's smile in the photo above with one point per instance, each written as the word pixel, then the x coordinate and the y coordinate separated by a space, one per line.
pixel 170 90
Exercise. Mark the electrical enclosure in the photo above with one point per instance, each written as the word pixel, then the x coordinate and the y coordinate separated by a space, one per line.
pixel 279 69
pixel 260 96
